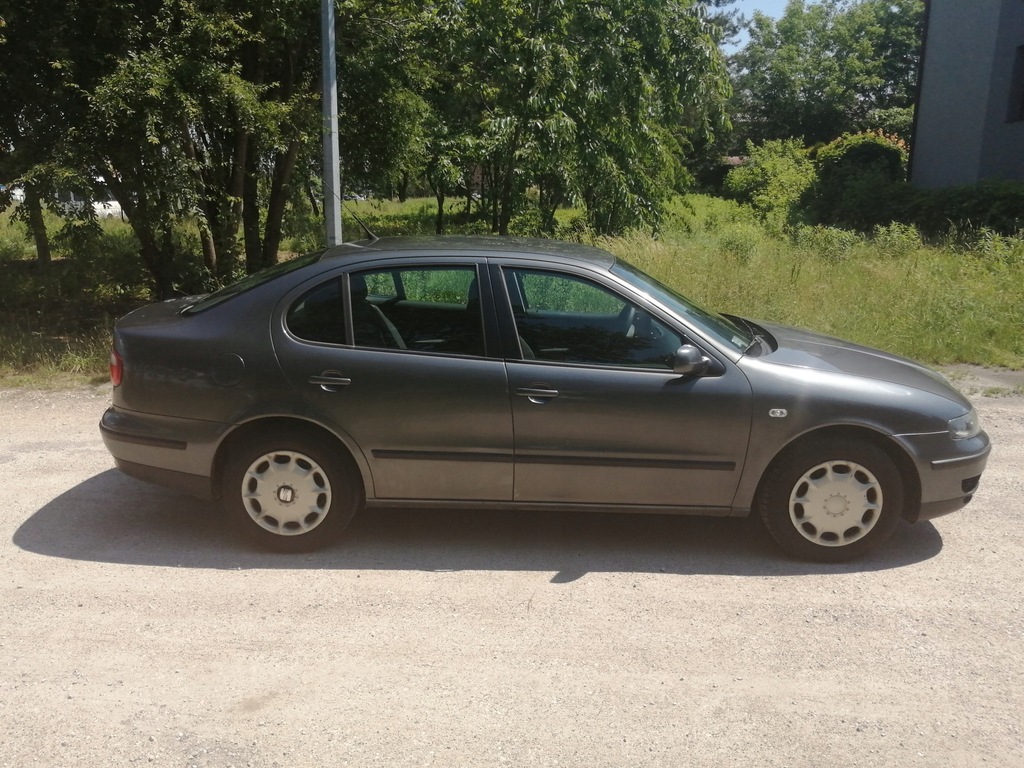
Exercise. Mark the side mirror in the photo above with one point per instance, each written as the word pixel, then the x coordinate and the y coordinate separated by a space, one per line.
pixel 688 361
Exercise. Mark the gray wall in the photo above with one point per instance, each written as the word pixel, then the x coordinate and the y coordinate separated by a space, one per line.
pixel 963 134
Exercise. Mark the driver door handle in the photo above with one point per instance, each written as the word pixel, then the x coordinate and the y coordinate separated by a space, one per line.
pixel 538 394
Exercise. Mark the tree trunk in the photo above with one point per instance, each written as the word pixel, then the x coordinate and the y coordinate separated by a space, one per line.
pixel 231 216
pixel 439 222
pixel 493 192
pixel 209 248
pixel 251 215
pixel 156 262
pixel 37 225
pixel 314 203
pixel 284 165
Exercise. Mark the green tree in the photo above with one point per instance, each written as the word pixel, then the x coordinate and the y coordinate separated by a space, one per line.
pixel 597 103
pixel 50 58
pixel 827 68
pixel 773 180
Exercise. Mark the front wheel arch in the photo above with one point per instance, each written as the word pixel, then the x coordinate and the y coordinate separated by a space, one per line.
pixel 899 456
pixel 776 502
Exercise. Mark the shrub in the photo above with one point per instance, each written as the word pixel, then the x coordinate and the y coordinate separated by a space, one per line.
pixel 828 243
pixel 772 180
pixel 856 177
pixel 857 152
pixel 740 242
pixel 995 205
pixel 12 245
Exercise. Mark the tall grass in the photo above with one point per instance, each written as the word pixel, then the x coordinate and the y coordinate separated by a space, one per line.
pixel 55 319
pixel 960 301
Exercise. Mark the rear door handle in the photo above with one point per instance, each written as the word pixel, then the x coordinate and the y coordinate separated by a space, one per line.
pixel 539 395
pixel 330 381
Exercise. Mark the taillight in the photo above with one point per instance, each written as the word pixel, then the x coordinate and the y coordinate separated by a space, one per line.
pixel 116 368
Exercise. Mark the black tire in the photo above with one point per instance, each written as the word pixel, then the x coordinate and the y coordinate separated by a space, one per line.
pixel 831 500
pixel 289 492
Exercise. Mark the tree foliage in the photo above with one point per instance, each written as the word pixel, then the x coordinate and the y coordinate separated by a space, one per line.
pixel 773 180
pixel 598 104
pixel 202 116
pixel 828 68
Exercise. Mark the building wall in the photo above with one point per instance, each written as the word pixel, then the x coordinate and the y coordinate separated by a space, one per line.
pixel 966 128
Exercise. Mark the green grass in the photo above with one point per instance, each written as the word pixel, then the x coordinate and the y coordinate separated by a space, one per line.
pixel 42 360
pixel 956 302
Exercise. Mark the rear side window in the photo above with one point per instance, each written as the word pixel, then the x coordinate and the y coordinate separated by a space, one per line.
pixel 422 309
pixel 319 315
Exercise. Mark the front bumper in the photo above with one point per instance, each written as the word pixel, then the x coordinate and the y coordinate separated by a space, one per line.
pixel 950 471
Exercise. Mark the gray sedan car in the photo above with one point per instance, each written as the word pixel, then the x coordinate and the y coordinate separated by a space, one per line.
pixel 519 374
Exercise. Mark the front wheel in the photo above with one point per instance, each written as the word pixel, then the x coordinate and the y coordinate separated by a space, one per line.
pixel 831 500
pixel 289 493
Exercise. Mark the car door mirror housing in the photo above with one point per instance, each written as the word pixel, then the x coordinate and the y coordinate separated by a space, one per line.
pixel 689 361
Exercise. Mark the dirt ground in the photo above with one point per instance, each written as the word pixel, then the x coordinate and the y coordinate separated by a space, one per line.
pixel 135 631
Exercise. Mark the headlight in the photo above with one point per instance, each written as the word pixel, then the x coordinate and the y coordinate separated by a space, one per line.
pixel 965 426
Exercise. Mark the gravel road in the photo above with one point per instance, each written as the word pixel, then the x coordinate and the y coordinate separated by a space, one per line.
pixel 135 631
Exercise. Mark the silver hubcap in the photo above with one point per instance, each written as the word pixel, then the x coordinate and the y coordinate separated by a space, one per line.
pixel 286 493
pixel 835 503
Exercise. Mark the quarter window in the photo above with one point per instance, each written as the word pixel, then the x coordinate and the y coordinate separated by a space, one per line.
pixel 564 318
pixel 320 314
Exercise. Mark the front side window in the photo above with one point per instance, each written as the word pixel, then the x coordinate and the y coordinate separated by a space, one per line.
pixel 564 318
pixel 718 326
pixel 424 309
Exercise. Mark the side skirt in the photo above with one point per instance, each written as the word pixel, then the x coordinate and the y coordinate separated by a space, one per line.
pixel 534 506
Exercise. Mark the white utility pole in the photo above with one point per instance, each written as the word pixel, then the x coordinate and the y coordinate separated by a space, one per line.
pixel 332 155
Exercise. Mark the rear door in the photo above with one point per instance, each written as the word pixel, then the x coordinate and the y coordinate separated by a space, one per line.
pixel 397 357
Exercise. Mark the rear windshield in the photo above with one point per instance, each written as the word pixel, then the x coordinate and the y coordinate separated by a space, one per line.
pixel 249 282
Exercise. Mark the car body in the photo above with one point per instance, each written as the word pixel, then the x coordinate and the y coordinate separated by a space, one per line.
pixel 523 374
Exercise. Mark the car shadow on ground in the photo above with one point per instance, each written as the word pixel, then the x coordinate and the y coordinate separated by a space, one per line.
pixel 113 519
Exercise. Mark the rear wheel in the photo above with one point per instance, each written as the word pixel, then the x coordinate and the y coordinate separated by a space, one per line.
pixel 831 500
pixel 289 493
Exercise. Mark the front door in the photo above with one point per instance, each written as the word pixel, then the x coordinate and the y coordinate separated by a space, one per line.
pixel 600 417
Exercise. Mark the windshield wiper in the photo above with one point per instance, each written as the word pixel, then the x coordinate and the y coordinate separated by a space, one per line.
pixel 757 341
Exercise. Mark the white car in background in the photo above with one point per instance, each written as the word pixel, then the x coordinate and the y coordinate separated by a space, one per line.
pixel 105 206
pixel 17 194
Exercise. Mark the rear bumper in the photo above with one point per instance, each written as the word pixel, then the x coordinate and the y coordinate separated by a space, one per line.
pixel 172 452
pixel 194 485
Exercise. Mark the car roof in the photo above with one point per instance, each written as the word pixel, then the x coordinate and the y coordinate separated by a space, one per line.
pixel 435 245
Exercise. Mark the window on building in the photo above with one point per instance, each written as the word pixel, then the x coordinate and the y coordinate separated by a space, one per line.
pixel 1016 111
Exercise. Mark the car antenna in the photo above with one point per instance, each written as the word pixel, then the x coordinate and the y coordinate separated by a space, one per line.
pixel 369 234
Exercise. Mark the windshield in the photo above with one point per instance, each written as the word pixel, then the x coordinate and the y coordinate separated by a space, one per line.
pixel 721 328
pixel 251 281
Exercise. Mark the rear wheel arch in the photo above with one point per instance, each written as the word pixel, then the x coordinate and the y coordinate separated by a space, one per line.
pixel 260 428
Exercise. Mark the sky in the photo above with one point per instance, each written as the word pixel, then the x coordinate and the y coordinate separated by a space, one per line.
pixel 773 8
